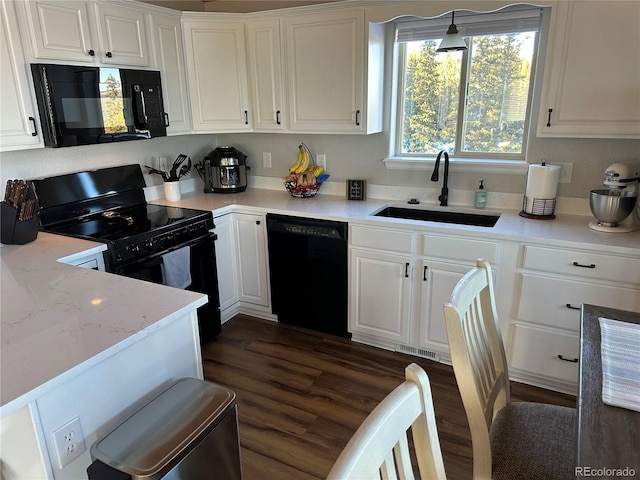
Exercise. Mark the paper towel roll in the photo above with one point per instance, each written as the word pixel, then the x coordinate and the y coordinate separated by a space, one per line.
pixel 542 183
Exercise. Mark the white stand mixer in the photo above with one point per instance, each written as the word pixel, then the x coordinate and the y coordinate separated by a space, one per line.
pixel 616 207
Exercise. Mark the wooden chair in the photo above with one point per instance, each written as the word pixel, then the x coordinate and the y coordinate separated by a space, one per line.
pixel 519 440
pixel 380 445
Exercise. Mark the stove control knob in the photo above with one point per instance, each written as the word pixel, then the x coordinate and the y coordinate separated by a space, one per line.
pixel 134 249
pixel 149 245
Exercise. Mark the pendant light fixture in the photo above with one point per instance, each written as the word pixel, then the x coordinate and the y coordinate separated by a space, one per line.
pixel 452 41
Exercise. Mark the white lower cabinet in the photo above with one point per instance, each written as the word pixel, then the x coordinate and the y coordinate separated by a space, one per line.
pixel 400 281
pixel 380 295
pixel 242 265
pixel 226 264
pixel 553 284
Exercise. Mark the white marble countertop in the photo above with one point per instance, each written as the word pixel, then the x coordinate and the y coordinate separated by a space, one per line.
pixel 569 231
pixel 58 319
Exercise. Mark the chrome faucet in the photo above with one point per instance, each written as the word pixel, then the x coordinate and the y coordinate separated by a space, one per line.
pixel 444 195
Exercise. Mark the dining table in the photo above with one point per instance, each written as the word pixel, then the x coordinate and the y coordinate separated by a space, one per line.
pixel 608 436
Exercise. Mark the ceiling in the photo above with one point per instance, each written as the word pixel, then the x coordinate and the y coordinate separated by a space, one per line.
pixel 232 6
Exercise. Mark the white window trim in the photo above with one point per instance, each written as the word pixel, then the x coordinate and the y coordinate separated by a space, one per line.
pixel 465 164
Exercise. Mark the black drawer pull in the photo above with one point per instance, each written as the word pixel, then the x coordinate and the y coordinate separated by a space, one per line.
pixel 576 264
pixel 358 117
pixel 246 117
pixel 571 360
pixel 549 119
pixel 424 273
pixel 166 119
pixel 572 307
pixel 278 117
pixel 406 270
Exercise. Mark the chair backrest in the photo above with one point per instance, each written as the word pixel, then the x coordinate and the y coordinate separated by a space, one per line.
pixel 478 358
pixel 380 446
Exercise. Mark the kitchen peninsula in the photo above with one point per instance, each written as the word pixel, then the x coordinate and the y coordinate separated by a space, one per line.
pixel 77 342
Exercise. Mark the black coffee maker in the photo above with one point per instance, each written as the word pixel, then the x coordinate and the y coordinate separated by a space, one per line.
pixel 224 170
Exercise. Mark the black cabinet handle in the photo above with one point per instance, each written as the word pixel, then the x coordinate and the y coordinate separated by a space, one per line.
pixel 571 360
pixel 166 119
pixel 246 117
pixel 278 117
pixel 424 273
pixel 257 222
pixel 109 54
pixel 549 119
pixel 35 128
pixel 91 52
pixel 406 270
pixel 572 307
pixel 357 117
pixel 576 264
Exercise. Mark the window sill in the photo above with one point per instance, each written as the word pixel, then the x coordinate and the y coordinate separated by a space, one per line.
pixel 504 167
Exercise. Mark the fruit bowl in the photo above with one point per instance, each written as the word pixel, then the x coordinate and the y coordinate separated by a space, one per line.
pixel 302 191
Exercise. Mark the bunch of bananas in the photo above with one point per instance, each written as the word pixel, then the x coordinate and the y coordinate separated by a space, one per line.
pixel 303 172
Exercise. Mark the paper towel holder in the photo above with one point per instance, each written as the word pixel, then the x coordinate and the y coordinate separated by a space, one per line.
pixel 541 208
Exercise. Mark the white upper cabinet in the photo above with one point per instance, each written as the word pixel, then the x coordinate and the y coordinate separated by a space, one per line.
pixel 80 31
pixel 592 73
pixel 19 113
pixel 123 35
pixel 217 74
pixel 169 59
pixel 325 70
pixel 264 59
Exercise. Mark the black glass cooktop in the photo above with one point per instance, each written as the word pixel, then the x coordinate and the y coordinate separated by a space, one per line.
pixel 137 221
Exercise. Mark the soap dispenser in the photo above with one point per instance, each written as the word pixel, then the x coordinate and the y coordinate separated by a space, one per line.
pixel 480 198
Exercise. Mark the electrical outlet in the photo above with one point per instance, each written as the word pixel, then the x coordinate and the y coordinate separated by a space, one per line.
pixel 68 442
pixel 321 160
pixel 266 159
pixel 566 169
pixel 163 164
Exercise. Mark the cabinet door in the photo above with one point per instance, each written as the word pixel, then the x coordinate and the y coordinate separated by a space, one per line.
pixel 19 114
pixel 380 295
pixel 251 246
pixel 169 59
pixel 437 282
pixel 226 261
pixel 60 30
pixel 264 54
pixel 217 74
pixel 325 69
pixel 591 86
pixel 123 35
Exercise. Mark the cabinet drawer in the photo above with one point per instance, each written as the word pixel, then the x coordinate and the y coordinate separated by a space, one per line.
pixel 381 239
pixel 536 351
pixel 583 264
pixel 459 248
pixel 544 300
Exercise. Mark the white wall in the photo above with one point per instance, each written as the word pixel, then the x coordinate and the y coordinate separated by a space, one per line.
pixel 348 156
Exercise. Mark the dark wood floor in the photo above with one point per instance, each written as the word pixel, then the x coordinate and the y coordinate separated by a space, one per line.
pixel 302 394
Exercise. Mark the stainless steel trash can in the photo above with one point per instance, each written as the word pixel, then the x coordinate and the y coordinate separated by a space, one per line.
pixel 188 432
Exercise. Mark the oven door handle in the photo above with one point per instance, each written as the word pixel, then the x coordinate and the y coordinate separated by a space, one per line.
pixel 190 243
pixel 158 256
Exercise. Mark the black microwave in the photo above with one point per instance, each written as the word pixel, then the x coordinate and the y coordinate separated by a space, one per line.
pixel 86 105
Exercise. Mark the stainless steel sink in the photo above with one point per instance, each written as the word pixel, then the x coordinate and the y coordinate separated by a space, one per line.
pixel 461 218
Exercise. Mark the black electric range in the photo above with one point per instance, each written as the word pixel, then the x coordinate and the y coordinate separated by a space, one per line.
pixel 109 206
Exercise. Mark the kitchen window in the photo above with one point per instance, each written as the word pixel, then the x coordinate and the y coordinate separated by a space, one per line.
pixel 474 104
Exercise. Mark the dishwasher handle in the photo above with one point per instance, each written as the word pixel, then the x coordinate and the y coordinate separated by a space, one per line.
pixel 306 227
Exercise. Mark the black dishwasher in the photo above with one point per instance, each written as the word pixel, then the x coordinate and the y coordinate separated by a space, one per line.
pixel 308 270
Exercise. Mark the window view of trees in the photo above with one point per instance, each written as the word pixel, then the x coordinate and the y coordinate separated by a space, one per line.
pixel 112 106
pixel 494 89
